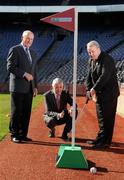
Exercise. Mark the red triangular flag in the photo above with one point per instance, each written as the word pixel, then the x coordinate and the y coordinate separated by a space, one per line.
pixel 63 19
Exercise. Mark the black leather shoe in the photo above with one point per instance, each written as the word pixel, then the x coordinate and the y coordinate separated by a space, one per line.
pixel 51 133
pixel 26 139
pixel 15 140
pixel 91 142
pixel 65 138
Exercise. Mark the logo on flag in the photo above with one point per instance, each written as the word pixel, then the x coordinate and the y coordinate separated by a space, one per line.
pixel 63 19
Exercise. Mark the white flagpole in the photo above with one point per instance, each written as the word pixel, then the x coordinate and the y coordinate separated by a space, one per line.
pixel 74 75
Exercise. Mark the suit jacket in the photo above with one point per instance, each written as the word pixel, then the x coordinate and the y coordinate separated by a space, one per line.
pixel 17 65
pixel 102 77
pixel 51 105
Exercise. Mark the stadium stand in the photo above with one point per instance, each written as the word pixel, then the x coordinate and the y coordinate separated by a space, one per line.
pixel 55 48
pixel 13 36
pixel 63 68
pixel 55 57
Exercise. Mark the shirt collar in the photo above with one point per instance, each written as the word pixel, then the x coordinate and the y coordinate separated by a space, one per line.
pixel 24 46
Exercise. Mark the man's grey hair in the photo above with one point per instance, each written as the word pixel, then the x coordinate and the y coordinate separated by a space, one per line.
pixel 26 32
pixel 93 43
pixel 57 81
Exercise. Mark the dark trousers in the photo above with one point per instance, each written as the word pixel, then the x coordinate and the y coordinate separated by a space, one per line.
pixel 53 122
pixel 20 114
pixel 106 112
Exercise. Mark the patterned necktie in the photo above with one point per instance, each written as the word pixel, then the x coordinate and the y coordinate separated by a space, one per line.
pixel 58 101
pixel 28 55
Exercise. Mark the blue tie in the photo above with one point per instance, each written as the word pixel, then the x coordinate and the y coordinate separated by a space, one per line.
pixel 28 55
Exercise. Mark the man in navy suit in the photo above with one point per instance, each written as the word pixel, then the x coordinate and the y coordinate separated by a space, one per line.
pixel 56 101
pixel 21 65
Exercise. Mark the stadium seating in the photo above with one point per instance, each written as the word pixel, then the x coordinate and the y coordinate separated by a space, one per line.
pixel 55 58
pixel 110 40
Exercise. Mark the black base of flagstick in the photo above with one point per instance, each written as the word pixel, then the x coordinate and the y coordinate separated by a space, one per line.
pixel 71 157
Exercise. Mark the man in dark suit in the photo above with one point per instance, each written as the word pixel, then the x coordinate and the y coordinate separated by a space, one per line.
pixel 56 101
pixel 102 86
pixel 21 64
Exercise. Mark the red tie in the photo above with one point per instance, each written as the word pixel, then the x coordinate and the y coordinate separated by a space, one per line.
pixel 58 101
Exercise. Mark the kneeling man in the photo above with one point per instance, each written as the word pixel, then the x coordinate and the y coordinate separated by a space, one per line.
pixel 57 113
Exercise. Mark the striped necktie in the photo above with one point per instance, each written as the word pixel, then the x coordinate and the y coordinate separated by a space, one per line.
pixel 28 55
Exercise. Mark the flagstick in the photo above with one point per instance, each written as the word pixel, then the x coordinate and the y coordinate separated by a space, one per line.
pixel 74 75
